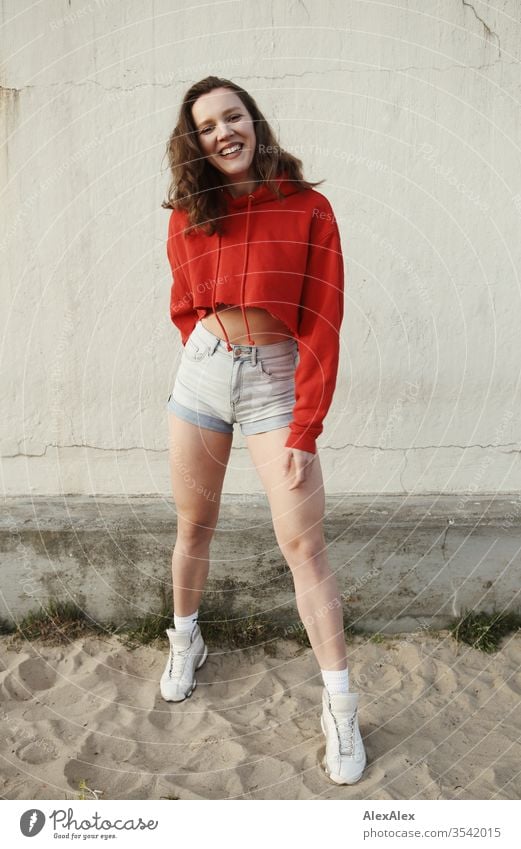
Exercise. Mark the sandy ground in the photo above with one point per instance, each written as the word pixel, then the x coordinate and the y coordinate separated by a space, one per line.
pixel 439 721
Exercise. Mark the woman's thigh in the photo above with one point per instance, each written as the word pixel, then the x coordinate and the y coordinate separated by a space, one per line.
pixel 198 460
pixel 297 513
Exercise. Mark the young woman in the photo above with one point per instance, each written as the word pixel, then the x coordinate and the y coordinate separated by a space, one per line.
pixel 257 296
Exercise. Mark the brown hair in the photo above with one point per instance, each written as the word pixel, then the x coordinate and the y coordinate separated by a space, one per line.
pixel 195 183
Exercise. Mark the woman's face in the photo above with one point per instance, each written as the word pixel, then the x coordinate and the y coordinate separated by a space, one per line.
pixel 226 133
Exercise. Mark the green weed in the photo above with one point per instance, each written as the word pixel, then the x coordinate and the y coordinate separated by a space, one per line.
pixel 484 631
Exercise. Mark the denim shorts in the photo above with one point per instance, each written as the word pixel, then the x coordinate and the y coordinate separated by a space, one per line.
pixel 253 385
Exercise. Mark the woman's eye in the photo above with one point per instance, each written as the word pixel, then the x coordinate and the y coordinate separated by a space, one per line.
pixel 206 130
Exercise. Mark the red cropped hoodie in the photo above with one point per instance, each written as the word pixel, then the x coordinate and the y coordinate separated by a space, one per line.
pixel 281 255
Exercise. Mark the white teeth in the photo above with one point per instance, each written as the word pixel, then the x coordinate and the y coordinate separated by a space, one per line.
pixel 232 149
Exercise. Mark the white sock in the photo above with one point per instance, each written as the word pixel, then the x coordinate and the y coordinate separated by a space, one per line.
pixel 185 623
pixel 336 681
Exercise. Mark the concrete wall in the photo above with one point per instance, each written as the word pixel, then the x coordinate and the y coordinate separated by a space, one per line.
pixel 411 112
pixel 401 564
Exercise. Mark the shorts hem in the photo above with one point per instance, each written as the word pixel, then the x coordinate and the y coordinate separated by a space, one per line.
pixel 264 425
pixel 199 419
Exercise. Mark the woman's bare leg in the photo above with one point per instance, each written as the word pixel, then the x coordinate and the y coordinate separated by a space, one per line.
pixel 198 460
pixel 298 523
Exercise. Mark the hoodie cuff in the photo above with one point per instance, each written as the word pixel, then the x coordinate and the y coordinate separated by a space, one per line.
pixel 302 441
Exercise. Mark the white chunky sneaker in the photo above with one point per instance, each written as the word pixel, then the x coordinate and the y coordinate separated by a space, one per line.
pixel 345 757
pixel 187 653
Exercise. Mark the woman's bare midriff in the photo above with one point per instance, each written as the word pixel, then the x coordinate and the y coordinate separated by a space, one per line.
pixel 265 329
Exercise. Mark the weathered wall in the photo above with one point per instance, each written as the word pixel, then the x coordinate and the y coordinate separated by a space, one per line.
pixel 413 118
pixel 401 564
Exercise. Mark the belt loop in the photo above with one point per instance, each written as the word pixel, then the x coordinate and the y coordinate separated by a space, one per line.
pixel 254 355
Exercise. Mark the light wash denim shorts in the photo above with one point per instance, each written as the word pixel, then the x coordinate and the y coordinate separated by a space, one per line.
pixel 253 385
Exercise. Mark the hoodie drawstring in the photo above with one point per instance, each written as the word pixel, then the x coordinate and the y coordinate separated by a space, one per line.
pixel 243 281
pixel 214 290
pixel 243 284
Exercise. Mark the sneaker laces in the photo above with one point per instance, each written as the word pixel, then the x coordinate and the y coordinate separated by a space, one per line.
pixel 177 661
pixel 346 733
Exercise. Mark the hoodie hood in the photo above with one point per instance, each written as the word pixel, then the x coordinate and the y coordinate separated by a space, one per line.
pixel 261 194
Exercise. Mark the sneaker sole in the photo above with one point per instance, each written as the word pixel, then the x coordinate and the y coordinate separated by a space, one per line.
pixel 205 655
pixel 194 682
pixel 338 778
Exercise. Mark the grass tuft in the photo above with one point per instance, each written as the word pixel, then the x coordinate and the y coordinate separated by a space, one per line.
pixel 56 623
pixel 60 622
pixel 251 630
pixel 83 788
pixel 220 628
pixel 7 627
pixel 484 631
pixel 144 631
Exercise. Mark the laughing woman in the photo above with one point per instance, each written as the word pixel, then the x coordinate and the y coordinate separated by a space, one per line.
pixel 257 296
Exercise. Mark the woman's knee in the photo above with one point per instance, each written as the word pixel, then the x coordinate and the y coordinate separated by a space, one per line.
pixel 194 533
pixel 305 550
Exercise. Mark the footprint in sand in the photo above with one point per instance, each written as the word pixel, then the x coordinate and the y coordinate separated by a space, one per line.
pixel 37 752
pixel 36 674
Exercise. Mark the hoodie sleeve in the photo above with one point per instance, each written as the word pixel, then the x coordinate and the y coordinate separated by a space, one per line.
pixel 182 311
pixel 320 316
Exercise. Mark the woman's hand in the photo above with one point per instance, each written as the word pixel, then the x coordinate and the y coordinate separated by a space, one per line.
pixel 302 461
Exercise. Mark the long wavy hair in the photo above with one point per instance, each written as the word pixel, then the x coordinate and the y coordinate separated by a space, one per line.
pixel 196 184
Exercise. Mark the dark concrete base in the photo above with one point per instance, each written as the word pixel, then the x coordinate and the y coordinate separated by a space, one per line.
pixel 402 563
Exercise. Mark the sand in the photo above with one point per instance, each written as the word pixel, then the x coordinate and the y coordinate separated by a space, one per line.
pixel 440 720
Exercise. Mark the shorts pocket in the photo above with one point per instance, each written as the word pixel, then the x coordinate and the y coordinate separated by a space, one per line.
pixel 195 350
pixel 279 368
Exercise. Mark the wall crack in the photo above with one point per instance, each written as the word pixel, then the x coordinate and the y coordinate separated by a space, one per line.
pixel 489 33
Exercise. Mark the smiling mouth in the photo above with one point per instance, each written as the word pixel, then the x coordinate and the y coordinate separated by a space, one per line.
pixel 232 148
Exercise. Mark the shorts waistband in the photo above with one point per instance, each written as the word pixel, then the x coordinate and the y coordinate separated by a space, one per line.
pixel 274 349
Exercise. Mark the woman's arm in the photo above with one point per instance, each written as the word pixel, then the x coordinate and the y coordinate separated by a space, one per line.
pixel 182 310
pixel 320 316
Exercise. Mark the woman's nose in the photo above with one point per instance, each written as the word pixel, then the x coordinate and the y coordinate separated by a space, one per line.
pixel 223 131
